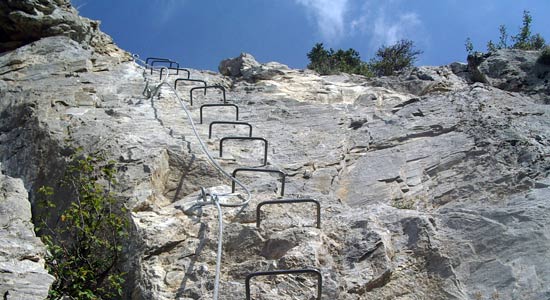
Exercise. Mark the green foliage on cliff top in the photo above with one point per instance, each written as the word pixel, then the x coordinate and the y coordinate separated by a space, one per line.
pixel 388 60
pixel 394 58
pixel 523 40
pixel 327 62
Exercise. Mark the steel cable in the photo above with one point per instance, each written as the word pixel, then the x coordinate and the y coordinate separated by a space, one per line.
pixel 214 197
pixel 204 148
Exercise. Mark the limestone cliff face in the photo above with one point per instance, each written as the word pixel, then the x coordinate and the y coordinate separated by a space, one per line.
pixel 431 186
pixel 26 21
pixel 513 70
pixel 22 274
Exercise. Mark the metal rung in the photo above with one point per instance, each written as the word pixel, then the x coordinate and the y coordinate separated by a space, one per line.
pixel 219 105
pixel 177 72
pixel 245 138
pixel 191 80
pixel 283 201
pixel 163 61
pixel 150 60
pixel 205 88
pixel 171 62
pixel 229 123
pixel 281 173
pixel 284 272
pixel 154 58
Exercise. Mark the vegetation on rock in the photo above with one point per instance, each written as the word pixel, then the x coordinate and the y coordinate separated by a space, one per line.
pixel 327 62
pixel 86 242
pixel 544 57
pixel 394 58
pixel 388 60
pixel 523 40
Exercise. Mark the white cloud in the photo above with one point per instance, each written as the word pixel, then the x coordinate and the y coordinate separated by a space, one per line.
pixel 359 24
pixel 329 16
pixel 167 9
pixel 388 32
pixel 385 22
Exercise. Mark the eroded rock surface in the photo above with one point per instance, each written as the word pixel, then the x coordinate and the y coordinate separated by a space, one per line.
pixel 22 272
pixel 431 186
pixel 512 70
pixel 25 21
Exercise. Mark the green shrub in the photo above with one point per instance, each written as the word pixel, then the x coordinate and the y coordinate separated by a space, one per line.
pixel 544 57
pixel 524 40
pixel 389 60
pixel 469 46
pixel 86 242
pixel 394 58
pixel 327 62
pixel 319 59
pixel 502 41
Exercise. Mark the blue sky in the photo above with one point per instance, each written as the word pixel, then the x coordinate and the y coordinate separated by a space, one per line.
pixel 200 33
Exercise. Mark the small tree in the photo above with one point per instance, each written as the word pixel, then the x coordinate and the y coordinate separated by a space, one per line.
pixel 319 59
pixel 394 58
pixel 85 246
pixel 330 62
pixel 524 40
pixel 469 46
pixel 347 61
pixel 537 42
pixel 502 40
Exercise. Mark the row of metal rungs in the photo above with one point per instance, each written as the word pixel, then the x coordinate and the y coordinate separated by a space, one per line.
pixel 174 66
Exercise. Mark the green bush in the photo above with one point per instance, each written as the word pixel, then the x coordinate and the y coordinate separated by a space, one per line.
pixel 502 40
pixel 327 62
pixel 523 40
pixel 469 46
pixel 544 57
pixel 394 58
pixel 389 60
pixel 86 242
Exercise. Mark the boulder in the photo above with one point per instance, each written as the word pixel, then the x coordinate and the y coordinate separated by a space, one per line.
pixel 512 70
pixel 247 68
pixel 236 66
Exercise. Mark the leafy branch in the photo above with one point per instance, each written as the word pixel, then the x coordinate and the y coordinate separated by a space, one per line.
pixel 86 241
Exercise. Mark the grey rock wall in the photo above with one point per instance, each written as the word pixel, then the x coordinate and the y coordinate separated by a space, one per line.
pixel 22 273
pixel 513 70
pixel 57 95
pixel 26 21
pixel 431 186
pixel 430 196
